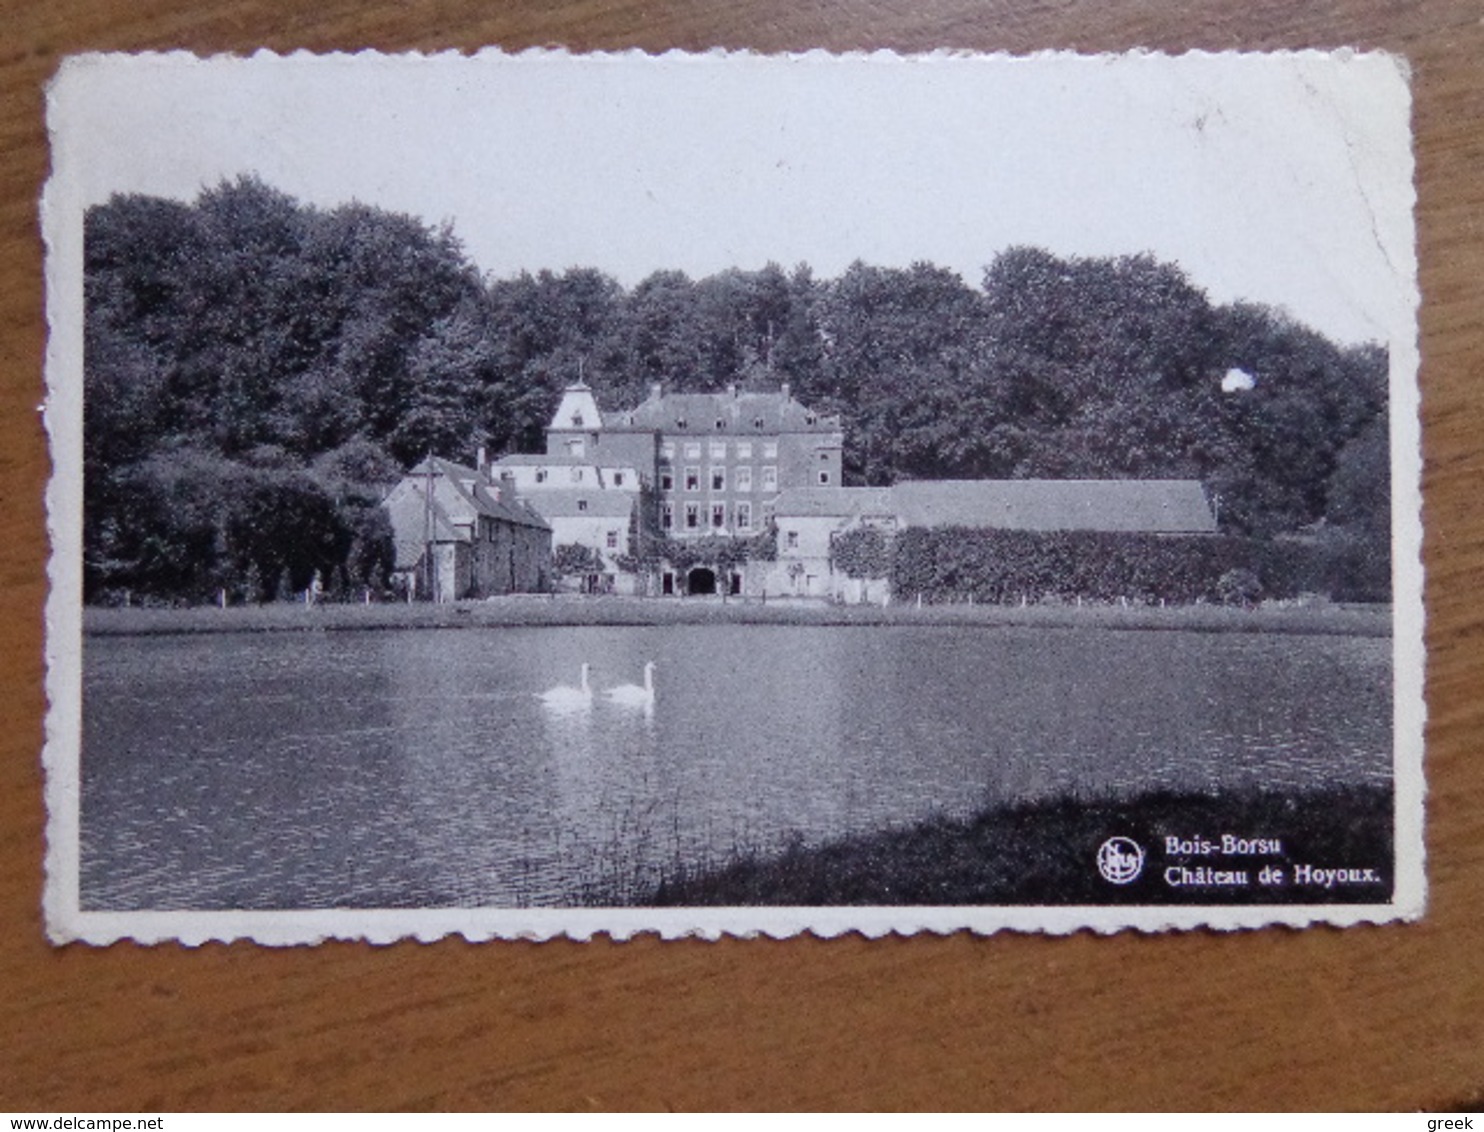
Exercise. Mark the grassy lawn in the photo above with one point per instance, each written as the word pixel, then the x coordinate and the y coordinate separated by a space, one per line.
pixel 581 610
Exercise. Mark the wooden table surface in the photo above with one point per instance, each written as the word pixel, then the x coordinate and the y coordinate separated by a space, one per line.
pixel 1389 1017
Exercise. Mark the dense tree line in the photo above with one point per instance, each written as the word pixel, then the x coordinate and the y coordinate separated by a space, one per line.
pixel 250 358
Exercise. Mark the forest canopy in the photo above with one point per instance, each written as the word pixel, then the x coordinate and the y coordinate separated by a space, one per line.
pixel 257 368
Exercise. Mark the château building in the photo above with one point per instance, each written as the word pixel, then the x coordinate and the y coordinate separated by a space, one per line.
pixel 706 470
pixel 715 464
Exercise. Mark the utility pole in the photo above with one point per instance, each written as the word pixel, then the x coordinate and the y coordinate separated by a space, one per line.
pixel 428 530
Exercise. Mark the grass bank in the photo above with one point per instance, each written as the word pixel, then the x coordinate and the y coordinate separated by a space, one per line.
pixel 1046 853
pixel 537 610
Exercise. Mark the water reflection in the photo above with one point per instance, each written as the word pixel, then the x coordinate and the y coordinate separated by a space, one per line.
pixel 424 768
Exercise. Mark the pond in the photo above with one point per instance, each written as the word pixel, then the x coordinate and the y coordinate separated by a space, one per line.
pixel 419 767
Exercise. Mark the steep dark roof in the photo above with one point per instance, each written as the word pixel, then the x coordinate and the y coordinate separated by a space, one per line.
pixel 740 413
pixel 1162 506
pixel 472 487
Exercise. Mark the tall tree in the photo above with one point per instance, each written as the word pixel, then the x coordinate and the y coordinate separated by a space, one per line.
pixel 230 343
pixel 894 338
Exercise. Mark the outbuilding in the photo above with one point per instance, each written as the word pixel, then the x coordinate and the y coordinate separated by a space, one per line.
pixel 811 519
pixel 461 534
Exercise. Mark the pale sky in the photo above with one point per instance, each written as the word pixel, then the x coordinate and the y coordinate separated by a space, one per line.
pixel 1280 179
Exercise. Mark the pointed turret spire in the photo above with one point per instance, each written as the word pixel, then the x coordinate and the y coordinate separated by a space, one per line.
pixel 578 408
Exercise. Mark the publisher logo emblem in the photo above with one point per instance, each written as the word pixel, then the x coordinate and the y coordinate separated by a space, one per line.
pixel 1120 860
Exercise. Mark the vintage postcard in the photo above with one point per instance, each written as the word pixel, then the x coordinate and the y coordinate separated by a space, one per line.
pixel 548 495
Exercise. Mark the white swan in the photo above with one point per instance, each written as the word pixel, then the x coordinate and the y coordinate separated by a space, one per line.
pixel 632 695
pixel 563 696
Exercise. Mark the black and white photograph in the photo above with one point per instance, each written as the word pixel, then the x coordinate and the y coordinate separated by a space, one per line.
pixel 546 494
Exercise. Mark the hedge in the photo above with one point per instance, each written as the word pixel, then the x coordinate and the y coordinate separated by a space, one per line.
pixel 946 564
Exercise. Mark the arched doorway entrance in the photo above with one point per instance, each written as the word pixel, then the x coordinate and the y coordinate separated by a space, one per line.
pixel 701 580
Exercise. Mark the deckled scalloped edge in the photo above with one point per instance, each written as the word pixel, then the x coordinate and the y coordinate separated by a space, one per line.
pixel 62 419
pixel 1340 52
pixel 381 927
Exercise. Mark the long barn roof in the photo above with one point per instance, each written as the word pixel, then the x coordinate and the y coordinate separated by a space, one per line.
pixel 1157 506
pixel 1163 506
pixel 834 502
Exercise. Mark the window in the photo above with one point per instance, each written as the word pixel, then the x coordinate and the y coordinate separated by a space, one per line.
pixel 679 422
pixel 693 450
pixel 792 540
pixel 667 481
pixel 540 475
pixel 612 540
pixel 770 450
pixel 692 479
pixel 757 423
pixel 767 513
pixel 718 479
pixel 824 456
pixel 744 450
pixel 810 418
pixel 489 531
pixel 574 448
pixel 720 424
pixel 667 450
pixel 593 439
pixel 824 478
pixel 718 515
pixel 577 419
pixel 692 516
pixel 582 505
pixel 744 516
pixel 576 475
pixel 744 479
pixel 770 479
pixel 718 449
pixel 618 479
pixel 667 516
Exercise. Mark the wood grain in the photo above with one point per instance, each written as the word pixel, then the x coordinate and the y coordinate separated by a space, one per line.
pixel 1366 1018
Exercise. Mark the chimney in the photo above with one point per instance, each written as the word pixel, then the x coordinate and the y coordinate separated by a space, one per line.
pixel 507 486
pixel 784 390
pixel 656 391
pixel 732 389
pixel 482 461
